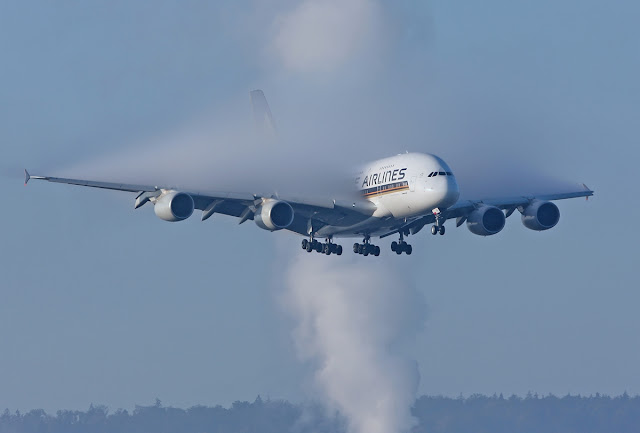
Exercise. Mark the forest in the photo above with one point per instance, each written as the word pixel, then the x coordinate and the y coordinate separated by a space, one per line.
pixel 476 413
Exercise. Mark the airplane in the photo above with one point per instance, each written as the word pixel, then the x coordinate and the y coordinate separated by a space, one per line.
pixel 398 195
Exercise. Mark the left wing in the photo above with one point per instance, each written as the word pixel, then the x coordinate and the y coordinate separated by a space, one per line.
pixel 461 210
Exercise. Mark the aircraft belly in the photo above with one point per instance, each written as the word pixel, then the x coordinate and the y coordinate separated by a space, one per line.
pixel 372 226
pixel 407 204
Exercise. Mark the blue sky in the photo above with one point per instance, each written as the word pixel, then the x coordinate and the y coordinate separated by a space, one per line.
pixel 104 304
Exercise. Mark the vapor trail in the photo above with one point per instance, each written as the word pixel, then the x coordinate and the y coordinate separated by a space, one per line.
pixel 351 324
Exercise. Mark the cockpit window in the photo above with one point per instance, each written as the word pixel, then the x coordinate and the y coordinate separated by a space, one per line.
pixel 442 173
pixel 430 174
pixel 449 173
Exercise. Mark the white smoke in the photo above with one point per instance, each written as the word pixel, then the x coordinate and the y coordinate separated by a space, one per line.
pixel 321 35
pixel 353 324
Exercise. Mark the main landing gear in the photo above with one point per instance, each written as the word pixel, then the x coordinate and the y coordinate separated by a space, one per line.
pixel 326 248
pixel 366 248
pixel 401 246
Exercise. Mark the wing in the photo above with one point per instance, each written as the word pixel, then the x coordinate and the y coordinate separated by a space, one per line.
pixel 461 210
pixel 308 213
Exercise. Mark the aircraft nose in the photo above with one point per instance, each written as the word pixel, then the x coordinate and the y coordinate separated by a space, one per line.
pixel 452 192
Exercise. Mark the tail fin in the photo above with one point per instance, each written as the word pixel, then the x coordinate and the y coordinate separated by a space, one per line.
pixel 262 114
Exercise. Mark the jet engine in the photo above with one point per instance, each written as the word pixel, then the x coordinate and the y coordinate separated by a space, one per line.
pixel 540 215
pixel 273 215
pixel 174 206
pixel 486 221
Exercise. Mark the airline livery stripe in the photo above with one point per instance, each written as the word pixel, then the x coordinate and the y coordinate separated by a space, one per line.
pixel 396 189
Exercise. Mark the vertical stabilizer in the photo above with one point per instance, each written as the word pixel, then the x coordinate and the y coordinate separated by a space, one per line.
pixel 262 114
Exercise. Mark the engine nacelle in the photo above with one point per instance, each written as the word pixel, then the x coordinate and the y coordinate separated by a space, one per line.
pixel 273 215
pixel 174 206
pixel 540 215
pixel 486 221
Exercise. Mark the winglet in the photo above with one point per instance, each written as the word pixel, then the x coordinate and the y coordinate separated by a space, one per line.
pixel 27 177
pixel 589 190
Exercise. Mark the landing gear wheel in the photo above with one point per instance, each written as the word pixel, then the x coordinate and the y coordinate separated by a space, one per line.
pixel 376 251
pixel 356 248
pixel 327 249
pixel 304 244
pixel 434 230
pixel 339 250
pixel 318 247
pixel 394 246
pixel 441 230
pixel 408 249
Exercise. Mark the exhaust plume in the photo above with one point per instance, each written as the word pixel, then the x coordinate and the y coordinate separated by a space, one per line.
pixel 353 323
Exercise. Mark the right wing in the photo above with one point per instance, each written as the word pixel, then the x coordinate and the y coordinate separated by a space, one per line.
pixel 314 213
pixel 461 210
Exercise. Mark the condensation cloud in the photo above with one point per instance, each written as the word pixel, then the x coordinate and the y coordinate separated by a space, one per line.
pixel 322 35
pixel 353 324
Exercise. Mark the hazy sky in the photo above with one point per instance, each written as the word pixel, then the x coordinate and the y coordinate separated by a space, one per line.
pixel 100 303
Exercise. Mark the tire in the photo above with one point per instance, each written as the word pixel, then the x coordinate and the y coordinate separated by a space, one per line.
pixel 394 246
pixel 434 230
pixel 361 249
pixel 356 248
pixel 408 249
pixel 327 249
pixel 376 251
pixel 398 251
pixel 309 247
pixel 441 230
pixel 319 247
pixel 339 250
pixel 304 244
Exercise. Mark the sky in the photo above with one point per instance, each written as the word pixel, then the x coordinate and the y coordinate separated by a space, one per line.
pixel 104 304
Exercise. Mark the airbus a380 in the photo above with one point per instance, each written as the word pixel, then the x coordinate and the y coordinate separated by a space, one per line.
pixel 399 195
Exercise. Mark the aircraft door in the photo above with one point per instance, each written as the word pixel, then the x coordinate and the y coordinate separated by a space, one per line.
pixel 412 183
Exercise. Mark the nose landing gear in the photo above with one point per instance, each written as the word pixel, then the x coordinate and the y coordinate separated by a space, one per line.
pixel 438 227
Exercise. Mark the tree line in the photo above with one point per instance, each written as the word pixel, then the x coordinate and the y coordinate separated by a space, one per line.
pixel 473 414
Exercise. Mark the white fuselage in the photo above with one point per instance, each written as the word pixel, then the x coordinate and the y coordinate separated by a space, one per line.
pixel 402 186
